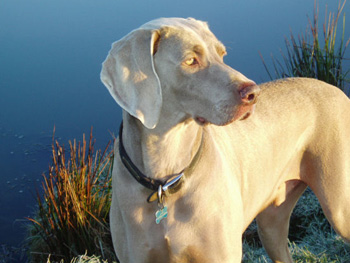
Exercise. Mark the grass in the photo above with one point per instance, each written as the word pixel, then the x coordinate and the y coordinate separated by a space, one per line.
pixel 310 55
pixel 83 259
pixel 72 214
pixel 311 237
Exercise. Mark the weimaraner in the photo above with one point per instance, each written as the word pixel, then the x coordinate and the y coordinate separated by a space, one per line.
pixel 214 151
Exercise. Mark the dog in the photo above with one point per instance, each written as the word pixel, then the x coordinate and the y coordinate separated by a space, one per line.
pixel 203 150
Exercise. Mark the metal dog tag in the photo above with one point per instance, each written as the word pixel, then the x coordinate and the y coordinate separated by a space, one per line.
pixel 163 210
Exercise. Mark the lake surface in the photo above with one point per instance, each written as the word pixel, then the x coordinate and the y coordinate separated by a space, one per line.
pixel 50 59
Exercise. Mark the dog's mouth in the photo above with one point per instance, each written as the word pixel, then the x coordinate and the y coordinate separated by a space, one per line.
pixel 245 116
pixel 201 121
pixel 242 113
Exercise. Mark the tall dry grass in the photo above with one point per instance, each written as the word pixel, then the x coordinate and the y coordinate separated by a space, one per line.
pixel 315 54
pixel 72 214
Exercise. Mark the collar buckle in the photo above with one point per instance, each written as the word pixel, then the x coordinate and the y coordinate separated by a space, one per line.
pixel 171 186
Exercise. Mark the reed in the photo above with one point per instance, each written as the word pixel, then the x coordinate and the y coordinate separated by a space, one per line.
pixel 72 214
pixel 310 55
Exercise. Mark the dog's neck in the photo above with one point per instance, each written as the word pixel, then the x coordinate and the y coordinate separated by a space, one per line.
pixel 160 153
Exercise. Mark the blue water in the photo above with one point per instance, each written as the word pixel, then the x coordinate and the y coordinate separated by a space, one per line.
pixel 50 58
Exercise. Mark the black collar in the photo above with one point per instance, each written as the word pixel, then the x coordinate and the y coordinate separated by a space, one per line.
pixel 152 184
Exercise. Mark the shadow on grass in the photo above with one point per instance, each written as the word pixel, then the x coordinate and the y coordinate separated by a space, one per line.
pixel 311 237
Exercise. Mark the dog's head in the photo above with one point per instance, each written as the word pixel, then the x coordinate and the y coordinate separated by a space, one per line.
pixel 176 65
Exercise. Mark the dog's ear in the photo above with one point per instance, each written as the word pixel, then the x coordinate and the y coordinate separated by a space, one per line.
pixel 129 74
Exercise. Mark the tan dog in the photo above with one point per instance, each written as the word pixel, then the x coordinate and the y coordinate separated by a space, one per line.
pixel 190 143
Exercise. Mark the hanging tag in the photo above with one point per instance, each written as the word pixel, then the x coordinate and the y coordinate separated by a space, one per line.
pixel 161 214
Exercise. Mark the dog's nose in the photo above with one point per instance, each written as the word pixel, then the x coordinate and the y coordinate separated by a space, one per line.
pixel 249 92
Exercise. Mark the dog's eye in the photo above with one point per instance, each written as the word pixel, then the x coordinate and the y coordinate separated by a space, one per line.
pixel 191 62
